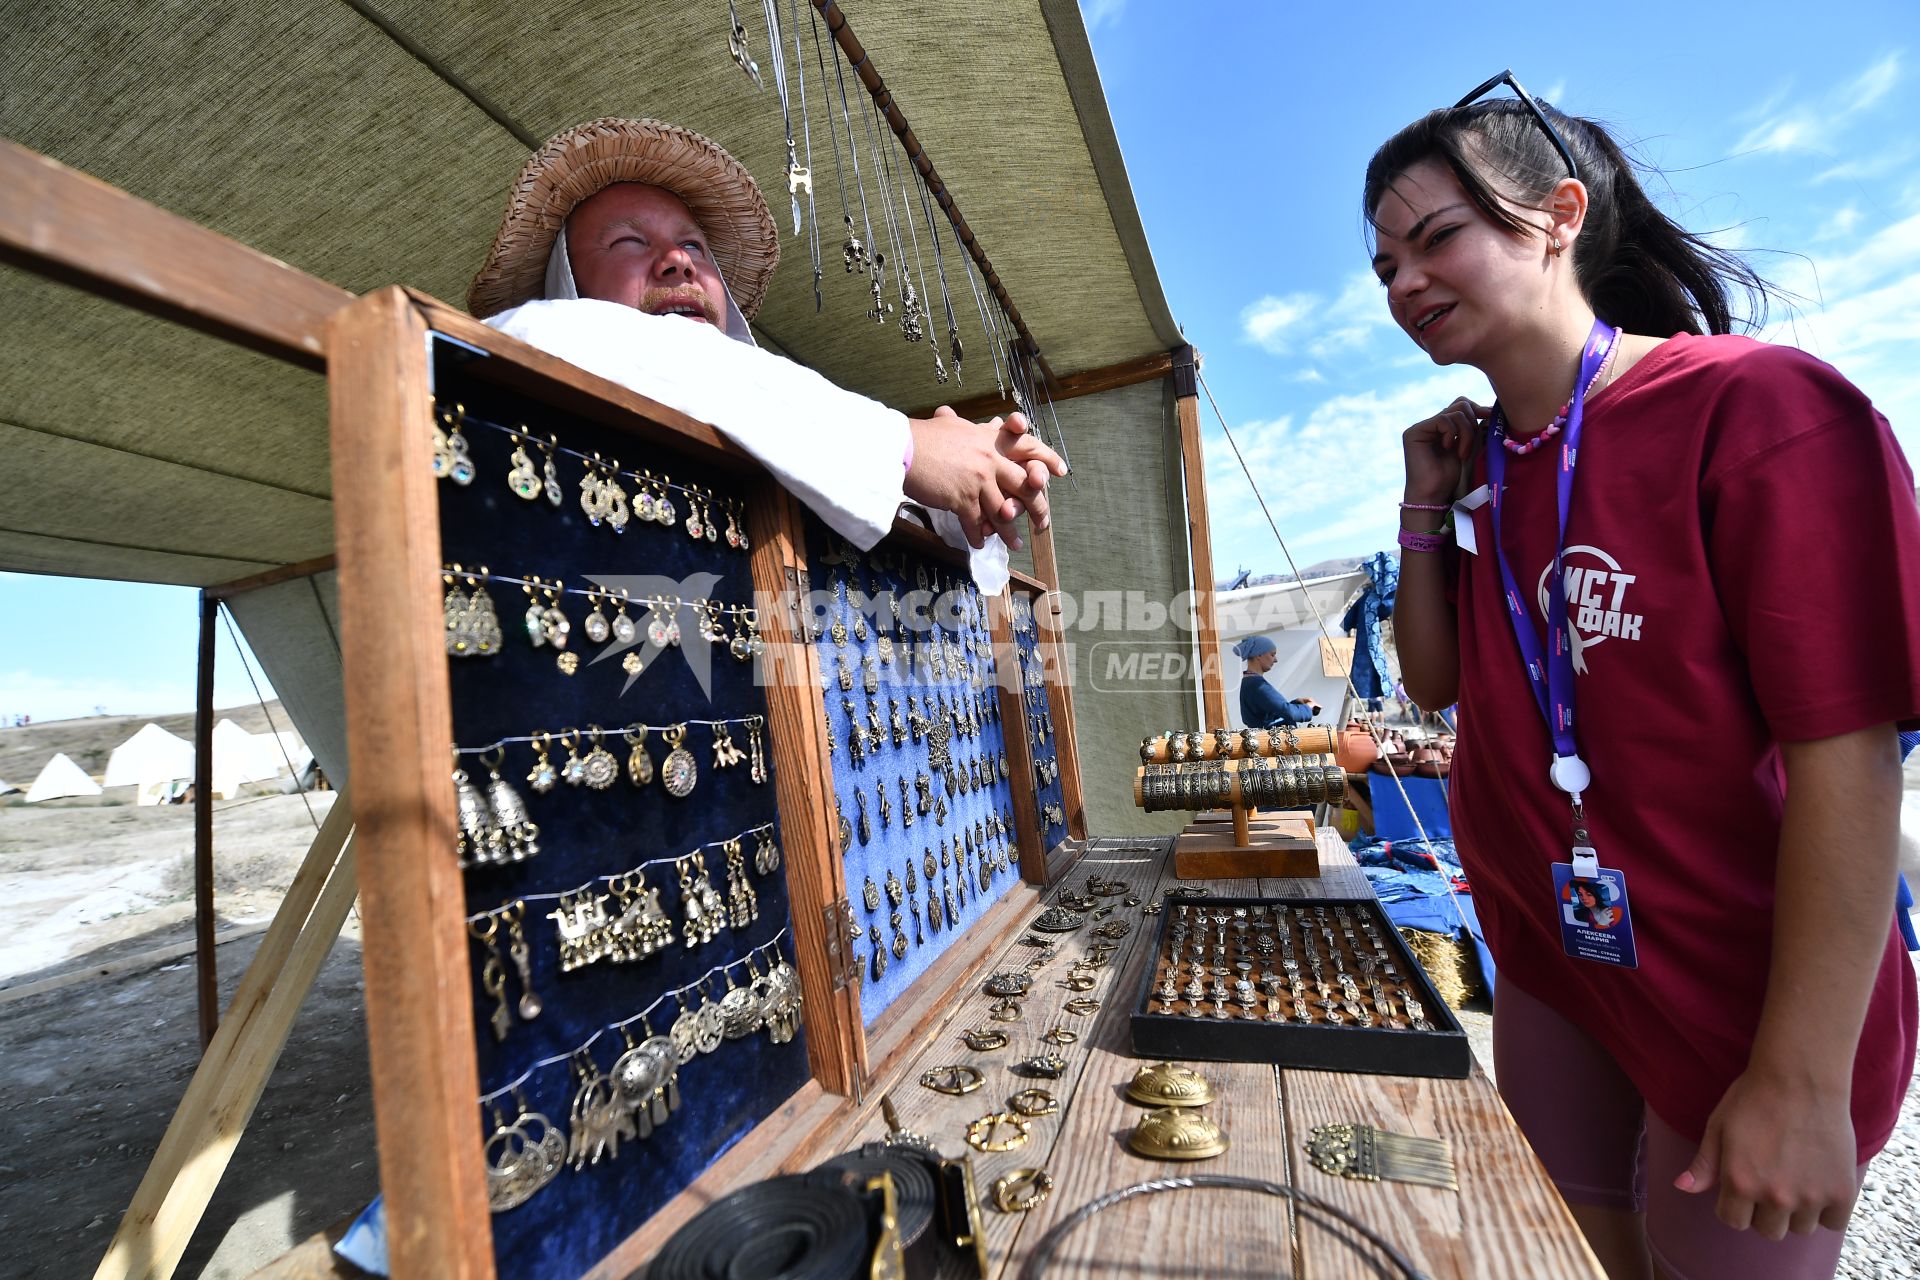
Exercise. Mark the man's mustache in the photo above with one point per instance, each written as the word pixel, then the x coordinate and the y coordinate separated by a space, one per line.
pixel 656 300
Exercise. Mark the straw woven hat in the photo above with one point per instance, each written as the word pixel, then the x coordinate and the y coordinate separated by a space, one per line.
pixel 576 163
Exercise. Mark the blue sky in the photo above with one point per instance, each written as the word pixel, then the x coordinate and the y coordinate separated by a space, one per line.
pixel 1787 128
pixel 1246 127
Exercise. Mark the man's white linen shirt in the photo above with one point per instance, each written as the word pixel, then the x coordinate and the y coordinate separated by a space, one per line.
pixel 839 452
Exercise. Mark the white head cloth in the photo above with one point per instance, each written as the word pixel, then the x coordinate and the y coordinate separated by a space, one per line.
pixel 560 286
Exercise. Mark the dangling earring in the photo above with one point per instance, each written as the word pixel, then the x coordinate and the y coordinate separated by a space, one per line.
pixel 517 830
pixel 550 475
pixel 663 512
pixel 596 625
pixel 522 479
pixel 478 840
pixel 639 763
pixel 454 610
pixel 481 625
pixel 543 775
pixel 1556 245
pixel 623 628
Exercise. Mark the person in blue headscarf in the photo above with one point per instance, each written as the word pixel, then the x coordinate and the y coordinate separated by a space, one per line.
pixel 1261 706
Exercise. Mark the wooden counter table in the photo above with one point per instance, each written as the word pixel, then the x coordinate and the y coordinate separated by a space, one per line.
pixel 1505 1221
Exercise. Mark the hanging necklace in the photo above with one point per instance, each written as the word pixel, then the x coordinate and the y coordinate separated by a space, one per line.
pixel 986 325
pixel 806 174
pixel 903 283
pixel 946 295
pixel 1521 448
pixel 857 256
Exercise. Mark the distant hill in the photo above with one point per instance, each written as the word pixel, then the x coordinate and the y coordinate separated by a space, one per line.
pixel 89 740
pixel 1319 569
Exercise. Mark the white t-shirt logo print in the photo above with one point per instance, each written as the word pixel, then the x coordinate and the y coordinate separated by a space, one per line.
pixel 1597 598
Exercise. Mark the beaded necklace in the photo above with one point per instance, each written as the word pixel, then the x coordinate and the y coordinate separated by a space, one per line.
pixel 1520 448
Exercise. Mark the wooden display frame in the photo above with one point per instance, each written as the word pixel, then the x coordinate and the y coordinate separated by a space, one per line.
pixel 399 720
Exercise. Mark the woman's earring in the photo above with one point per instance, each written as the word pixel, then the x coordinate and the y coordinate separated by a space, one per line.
pixel 1556 244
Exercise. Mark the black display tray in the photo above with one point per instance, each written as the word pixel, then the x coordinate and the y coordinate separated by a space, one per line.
pixel 1442 1052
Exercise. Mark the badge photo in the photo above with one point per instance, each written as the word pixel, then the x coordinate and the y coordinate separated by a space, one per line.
pixel 1595 921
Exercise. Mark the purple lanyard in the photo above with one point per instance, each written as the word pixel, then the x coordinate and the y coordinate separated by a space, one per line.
pixel 1551 675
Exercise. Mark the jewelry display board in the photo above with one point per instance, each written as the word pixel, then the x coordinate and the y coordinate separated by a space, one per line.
pixel 1321 983
pixel 523 1010
pixel 1050 802
pixel 625 894
pixel 921 777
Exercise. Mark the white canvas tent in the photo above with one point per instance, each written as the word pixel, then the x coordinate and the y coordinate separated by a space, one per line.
pixel 61 778
pixel 152 760
pixel 241 757
pixel 1284 613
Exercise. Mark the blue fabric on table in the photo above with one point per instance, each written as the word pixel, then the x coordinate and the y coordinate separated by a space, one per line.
pixel 1392 820
pixel 1420 886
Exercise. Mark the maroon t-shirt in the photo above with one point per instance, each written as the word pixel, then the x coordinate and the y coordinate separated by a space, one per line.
pixel 1743 569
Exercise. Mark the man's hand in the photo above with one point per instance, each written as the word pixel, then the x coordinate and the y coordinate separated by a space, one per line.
pixel 986 474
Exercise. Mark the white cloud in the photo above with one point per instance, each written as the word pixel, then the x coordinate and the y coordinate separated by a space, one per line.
pixel 1839 224
pixel 1331 477
pixel 1098 13
pixel 1309 375
pixel 1282 325
pixel 1556 92
pixel 1813 125
pixel 1272 321
pixel 1354 316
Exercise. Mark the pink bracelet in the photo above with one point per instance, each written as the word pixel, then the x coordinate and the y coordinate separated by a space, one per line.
pixel 1423 506
pixel 1421 541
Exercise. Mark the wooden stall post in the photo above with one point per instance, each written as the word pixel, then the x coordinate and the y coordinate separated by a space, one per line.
pixel 1059 669
pixel 1010 687
pixel 803 785
pixel 206 975
pixel 400 723
pixel 1186 405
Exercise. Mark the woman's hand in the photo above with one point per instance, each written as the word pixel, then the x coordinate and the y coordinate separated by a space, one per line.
pixel 1782 1153
pixel 1437 450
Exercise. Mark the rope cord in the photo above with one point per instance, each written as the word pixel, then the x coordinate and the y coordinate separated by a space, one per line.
pixel 1320 620
pixel 226 615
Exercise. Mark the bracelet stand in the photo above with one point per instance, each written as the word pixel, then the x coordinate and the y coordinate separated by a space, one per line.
pixel 1239 842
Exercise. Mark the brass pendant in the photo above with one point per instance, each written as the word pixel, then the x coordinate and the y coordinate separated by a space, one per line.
pixel 1177 1133
pixel 1168 1084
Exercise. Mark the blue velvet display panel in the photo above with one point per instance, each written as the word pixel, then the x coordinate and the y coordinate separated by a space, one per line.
pixel 907 659
pixel 1049 798
pixel 587 834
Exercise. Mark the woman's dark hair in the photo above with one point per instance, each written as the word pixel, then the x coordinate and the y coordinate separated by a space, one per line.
pixel 1637 267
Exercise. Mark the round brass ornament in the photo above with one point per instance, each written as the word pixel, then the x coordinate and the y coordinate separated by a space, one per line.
pixel 984 1039
pixel 1168 1084
pixel 1001 1131
pixel 954 1080
pixel 1033 1102
pixel 1009 983
pixel 1177 1133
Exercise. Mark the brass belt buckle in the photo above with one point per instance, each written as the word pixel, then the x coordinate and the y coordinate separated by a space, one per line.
pixel 1021 1190
pixel 952 1080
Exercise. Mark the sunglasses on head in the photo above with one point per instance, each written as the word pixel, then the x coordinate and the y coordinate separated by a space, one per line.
pixel 1506 78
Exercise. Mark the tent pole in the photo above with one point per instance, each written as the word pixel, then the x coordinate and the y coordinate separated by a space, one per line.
pixel 204 963
pixel 1186 406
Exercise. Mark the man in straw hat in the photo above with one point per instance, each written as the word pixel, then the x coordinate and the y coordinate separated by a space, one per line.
pixel 630 247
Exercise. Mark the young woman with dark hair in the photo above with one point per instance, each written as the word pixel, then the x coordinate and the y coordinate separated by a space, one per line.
pixel 1709 548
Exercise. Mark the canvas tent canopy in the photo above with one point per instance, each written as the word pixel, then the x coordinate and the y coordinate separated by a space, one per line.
pixel 152 755
pixel 61 779
pixel 372 142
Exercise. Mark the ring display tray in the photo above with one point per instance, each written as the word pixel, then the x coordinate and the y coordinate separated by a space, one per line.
pixel 1221 989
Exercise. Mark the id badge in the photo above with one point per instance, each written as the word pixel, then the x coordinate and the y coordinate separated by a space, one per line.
pixel 1596 920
